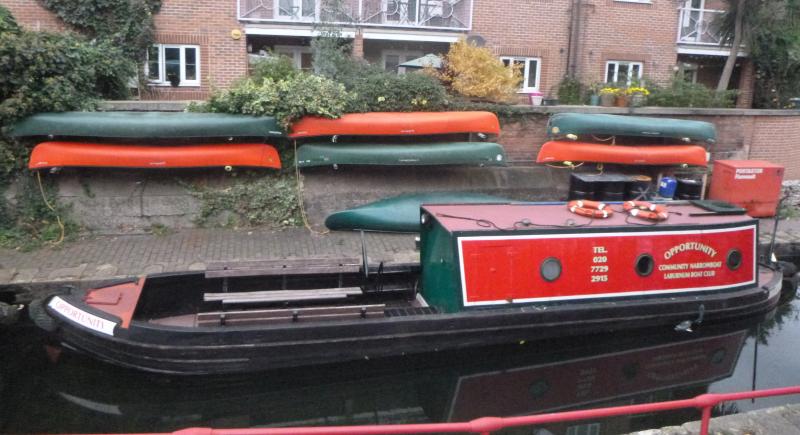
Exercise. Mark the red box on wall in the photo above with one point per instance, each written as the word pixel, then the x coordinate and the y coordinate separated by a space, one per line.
pixel 752 184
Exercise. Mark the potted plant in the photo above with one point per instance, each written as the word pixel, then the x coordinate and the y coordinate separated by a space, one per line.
pixel 594 94
pixel 608 95
pixel 638 95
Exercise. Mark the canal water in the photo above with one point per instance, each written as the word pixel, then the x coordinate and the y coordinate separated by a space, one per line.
pixel 44 388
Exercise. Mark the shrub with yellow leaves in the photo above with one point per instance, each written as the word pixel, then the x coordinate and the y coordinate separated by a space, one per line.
pixel 476 72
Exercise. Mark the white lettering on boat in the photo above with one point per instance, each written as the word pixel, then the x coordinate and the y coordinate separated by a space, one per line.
pixel 82 317
pixel 690 246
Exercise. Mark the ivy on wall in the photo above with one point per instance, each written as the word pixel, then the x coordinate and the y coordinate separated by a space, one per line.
pixel 126 23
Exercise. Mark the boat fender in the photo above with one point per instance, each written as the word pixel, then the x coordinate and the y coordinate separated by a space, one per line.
pixel 646 210
pixel 592 209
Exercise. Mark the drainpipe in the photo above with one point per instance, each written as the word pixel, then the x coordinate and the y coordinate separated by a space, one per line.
pixel 574 37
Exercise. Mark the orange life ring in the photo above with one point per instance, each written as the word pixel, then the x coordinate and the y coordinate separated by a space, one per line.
pixel 592 209
pixel 646 210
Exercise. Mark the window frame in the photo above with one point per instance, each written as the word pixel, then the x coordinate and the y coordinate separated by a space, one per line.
pixel 616 70
pixel 162 66
pixel 299 5
pixel 525 70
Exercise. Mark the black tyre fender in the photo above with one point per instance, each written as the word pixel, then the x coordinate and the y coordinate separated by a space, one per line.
pixel 38 314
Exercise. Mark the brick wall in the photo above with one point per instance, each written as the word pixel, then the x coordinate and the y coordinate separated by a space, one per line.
pixel 33 16
pixel 776 139
pixel 206 23
pixel 607 30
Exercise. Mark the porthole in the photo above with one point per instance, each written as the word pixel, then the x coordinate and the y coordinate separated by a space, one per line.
pixel 734 260
pixel 550 269
pixel 644 265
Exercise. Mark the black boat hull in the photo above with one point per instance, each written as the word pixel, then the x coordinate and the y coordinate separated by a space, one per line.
pixel 229 349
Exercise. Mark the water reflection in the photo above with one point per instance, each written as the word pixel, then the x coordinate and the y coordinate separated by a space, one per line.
pixel 46 389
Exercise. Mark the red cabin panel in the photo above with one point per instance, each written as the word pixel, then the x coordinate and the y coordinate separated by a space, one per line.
pixel 507 269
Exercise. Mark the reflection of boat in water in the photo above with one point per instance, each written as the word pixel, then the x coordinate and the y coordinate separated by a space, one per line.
pixel 455 386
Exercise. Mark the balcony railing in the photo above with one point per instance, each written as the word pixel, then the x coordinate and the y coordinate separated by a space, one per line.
pixel 420 14
pixel 699 26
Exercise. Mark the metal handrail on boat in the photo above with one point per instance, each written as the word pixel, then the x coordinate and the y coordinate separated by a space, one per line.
pixel 487 425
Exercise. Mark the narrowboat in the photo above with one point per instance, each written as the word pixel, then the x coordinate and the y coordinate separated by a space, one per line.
pixel 565 151
pixel 106 155
pixel 146 125
pixel 488 274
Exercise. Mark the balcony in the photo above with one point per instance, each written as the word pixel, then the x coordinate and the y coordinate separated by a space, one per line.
pixel 408 14
pixel 699 27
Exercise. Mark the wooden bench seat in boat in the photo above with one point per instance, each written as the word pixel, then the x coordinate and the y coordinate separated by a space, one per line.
pixel 283 267
pixel 282 295
pixel 243 317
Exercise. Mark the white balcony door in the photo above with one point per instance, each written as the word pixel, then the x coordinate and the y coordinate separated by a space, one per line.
pixel 301 10
pixel 400 11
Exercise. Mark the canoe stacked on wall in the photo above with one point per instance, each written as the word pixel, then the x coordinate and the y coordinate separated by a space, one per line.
pixel 150 140
pixel 434 147
pixel 418 154
pixel 397 124
pixel 591 138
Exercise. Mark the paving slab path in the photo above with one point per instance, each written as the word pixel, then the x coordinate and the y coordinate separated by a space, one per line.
pixel 780 420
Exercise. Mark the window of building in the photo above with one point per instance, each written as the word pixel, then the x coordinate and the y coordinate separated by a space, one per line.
pixel 166 62
pixel 618 71
pixel 530 68
pixel 301 55
pixel 303 10
pixel 393 58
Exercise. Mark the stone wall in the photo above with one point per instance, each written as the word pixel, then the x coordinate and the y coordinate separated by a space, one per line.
pixel 124 201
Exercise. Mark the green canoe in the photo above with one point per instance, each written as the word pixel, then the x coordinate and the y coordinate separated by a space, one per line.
pixel 400 214
pixel 562 124
pixel 146 125
pixel 443 153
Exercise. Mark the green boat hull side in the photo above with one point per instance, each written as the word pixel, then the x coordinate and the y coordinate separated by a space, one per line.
pixel 562 124
pixel 447 153
pixel 144 125
pixel 400 214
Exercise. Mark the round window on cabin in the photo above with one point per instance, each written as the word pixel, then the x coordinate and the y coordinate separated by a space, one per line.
pixel 644 265
pixel 734 260
pixel 550 269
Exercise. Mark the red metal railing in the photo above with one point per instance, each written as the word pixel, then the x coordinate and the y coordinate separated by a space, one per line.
pixel 487 425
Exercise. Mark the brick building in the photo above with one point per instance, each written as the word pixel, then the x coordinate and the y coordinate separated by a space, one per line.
pixel 208 43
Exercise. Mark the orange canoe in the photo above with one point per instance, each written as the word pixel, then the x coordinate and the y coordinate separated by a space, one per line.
pixel 562 151
pixel 104 155
pixel 397 124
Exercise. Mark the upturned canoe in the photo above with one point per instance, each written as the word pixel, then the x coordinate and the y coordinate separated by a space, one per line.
pixel 400 214
pixel 563 151
pixel 563 124
pixel 79 154
pixel 146 125
pixel 397 124
pixel 444 153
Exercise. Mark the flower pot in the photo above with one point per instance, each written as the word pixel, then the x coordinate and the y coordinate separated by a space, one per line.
pixel 607 100
pixel 621 101
pixel 594 100
pixel 637 100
